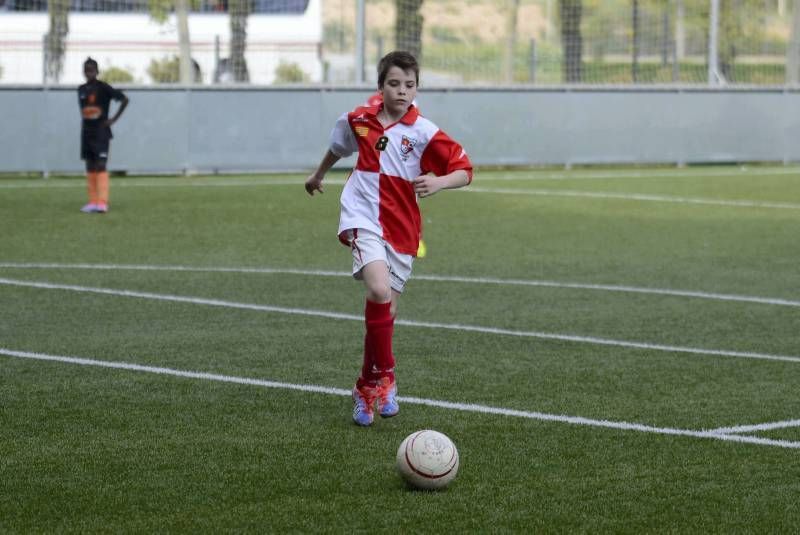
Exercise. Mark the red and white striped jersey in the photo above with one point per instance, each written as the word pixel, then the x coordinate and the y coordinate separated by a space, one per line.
pixel 379 195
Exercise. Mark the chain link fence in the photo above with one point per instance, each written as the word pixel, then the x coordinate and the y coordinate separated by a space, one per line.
pixel 465 42
pixel 459 42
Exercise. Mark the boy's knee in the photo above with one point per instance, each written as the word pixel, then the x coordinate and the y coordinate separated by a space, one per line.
pixel 379 293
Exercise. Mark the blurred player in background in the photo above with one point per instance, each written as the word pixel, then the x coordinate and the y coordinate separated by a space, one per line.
pixel 94 99
pixel 401 155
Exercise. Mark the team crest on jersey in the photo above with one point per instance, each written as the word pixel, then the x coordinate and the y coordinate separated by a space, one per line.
pixel 362 131
pixel 406 146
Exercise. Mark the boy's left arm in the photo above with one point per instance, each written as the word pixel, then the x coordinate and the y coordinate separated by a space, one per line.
pixel 444 165
pixel 123 99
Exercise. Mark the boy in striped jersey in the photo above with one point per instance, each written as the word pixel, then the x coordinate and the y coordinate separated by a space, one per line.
pixel 401 156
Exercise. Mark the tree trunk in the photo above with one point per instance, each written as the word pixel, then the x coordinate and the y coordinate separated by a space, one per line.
pixel 239 10
pixel 730 31
pixel 55 39
pixel 511 39
pixel 408 27
pixel 571 39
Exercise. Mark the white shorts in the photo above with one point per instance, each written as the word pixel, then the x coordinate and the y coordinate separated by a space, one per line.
pixel 368 247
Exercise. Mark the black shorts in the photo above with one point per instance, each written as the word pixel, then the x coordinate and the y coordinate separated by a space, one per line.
pixel 94 147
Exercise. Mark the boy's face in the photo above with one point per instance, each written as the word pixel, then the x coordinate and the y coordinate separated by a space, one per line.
pixel 90 72
pixel 399 90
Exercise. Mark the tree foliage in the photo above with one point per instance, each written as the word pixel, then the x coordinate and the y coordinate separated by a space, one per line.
pixel 161 9
pixel 737 30
pixel 116 75
pixel 167 70
pixel 55 39
pixel 290 73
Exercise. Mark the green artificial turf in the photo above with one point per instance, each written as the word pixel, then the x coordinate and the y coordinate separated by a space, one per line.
pixel 85 448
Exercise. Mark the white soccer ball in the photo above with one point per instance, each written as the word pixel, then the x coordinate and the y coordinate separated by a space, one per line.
pixel 427 460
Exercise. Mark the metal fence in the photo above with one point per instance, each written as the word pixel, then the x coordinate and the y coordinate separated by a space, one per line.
pixel 460 42
pixel 579 41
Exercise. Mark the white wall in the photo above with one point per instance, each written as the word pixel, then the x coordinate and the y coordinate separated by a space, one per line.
pixel 269 129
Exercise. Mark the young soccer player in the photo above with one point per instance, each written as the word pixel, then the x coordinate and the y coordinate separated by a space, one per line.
pixel 94 99
pixel 401 156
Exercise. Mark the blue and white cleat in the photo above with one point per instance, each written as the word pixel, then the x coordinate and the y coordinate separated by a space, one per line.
pixel 89 208
pixel 363 398
pixel 387 399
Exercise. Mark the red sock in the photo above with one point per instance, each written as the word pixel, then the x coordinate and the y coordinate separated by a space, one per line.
pixel 369 376
pixel 380 329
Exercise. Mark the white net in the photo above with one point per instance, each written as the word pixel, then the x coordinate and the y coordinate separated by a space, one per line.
pixel 459 42
pixel 571 41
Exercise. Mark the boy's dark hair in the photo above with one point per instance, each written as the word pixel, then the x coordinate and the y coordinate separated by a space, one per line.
pixel 398 58
pixel 90 61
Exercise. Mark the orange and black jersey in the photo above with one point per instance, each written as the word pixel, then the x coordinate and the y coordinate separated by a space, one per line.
pixel 94 99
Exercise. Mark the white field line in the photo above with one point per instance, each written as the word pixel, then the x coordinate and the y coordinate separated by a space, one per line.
pixel 643 197
pixel 169 183
pixel 613 288
pixel 191 269
pixel 757 427
pixel 504 191
pixel 464 407
pixel 473 189
pixel 635 197
pixel 689 172
pixel 435 278
pixel 410 323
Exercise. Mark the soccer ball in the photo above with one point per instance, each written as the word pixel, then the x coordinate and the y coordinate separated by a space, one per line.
pixel 427 460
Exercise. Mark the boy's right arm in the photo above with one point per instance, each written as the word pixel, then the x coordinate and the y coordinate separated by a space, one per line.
pixel 342 144
pixel 314 181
